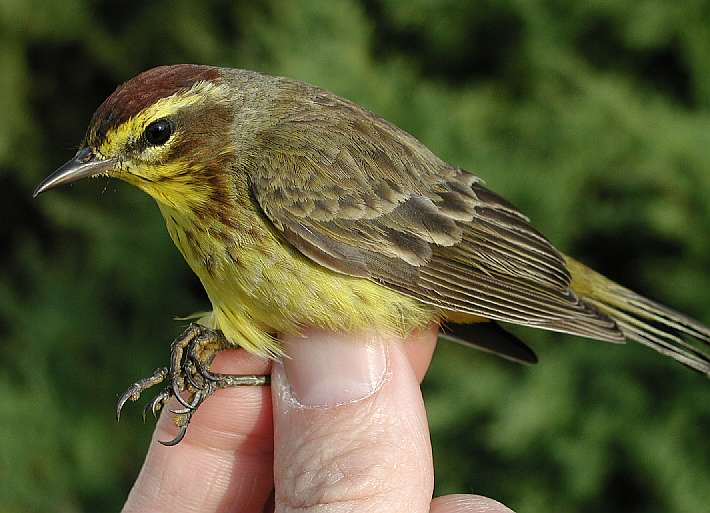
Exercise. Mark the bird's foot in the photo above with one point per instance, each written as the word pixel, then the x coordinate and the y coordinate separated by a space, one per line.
pixel 190 380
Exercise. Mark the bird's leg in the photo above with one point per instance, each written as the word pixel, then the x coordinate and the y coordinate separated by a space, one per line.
pixel 190 357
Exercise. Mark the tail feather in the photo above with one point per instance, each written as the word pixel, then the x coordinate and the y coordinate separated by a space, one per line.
pixel 644 321
pixel 673 319
pixel 665 342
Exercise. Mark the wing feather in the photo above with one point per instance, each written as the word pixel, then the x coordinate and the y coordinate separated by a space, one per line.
pixel 361 197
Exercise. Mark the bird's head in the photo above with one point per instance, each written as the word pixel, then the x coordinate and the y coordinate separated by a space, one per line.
pixel 166 131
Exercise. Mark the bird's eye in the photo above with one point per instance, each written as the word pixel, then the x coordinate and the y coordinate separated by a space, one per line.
pixel 158 132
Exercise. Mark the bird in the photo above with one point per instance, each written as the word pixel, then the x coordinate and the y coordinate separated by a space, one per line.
pixel 296 207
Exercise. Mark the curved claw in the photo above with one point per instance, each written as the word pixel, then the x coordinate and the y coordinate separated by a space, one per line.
pixel 156 404
pixel 204 371
pixel 178 438
pixel 189 370
pixel 155 408
pixel 176 393
pixel 189 377
pixel 133 393
pixel 196 402
pixel 184 411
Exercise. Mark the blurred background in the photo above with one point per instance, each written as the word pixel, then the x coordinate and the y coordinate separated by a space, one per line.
pixel 593 117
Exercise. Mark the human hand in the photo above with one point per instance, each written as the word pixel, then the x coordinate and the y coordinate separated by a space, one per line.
pixel 341 429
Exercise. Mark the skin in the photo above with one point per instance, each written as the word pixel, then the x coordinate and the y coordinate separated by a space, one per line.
pixel 241 459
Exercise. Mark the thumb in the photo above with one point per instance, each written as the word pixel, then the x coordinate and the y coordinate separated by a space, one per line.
pixel 350 426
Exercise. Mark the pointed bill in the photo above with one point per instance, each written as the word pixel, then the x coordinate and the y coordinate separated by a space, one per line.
pixel 84 164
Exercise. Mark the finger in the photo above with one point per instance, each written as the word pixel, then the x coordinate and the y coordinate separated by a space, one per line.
pixel 467 504
pixel 350 427
pixel 420 348
pixel 225 458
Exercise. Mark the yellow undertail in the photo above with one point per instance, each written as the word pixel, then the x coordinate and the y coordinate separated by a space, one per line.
pixel 642 320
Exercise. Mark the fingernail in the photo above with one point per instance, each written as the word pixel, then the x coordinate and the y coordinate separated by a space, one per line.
pixel 326 369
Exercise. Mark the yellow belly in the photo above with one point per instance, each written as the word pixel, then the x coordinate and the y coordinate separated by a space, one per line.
pixel 280 291
pixel 260 286
pixel 260 289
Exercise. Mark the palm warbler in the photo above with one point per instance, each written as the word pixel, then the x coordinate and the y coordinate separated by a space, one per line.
pixel 296 207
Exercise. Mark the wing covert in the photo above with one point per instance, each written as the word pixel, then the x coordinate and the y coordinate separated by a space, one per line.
pixel 361 197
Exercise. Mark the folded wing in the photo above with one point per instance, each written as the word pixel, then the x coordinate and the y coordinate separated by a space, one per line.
pixel 361 197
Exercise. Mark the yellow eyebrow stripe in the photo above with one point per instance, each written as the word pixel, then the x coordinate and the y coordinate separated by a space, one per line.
pixel 117 138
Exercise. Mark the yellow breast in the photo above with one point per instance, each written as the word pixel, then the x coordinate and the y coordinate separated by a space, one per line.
pixel 260 286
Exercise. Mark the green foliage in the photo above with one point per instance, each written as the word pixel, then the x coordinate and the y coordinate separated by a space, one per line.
pixel 591 116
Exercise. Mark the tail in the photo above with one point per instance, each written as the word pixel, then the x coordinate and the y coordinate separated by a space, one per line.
pixel 642 320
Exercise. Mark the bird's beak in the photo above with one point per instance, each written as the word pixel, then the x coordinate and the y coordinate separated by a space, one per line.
pixel 84 164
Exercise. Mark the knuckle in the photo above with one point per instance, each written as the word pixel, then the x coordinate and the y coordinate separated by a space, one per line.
pixel 351 477
pixel 342 473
